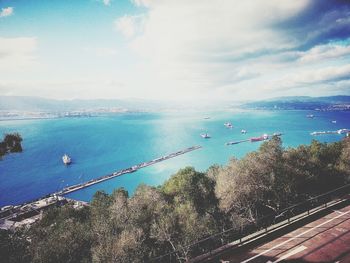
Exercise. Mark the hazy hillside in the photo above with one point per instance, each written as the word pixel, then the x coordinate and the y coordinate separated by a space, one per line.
pixel 302 102
pixel 23 103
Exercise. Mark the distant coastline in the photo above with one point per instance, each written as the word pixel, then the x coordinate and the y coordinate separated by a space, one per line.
pixel 39 115
pixel 332 103
pixel 17 108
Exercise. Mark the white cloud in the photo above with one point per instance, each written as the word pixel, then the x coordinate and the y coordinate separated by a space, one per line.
pixel 129 25
pixel 322 52
pixel 101 51
pixel 194 47
pixel 7 11
pixel 331 80
pixel 85 87
pixel 200 27
pixel 315 76
pixel 105 2
pixel 145 3
pixel 17 53
pixel 180 49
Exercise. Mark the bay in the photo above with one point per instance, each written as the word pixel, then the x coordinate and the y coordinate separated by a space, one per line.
pixel 102 145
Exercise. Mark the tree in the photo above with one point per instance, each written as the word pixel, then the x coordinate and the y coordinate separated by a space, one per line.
pixel 188 185
pixel 344 160
pixel 11 144
pixel 14 247
pixel 63 235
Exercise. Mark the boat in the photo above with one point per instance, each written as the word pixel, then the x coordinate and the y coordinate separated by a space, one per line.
pixel 256 139
pixel 324 132
pixel 206 118
pixel 334 121
pixel 66 159
pixel 243 131
pixel 342 131
pixel 205 135
pixel 310 116
pixel 228 125
pixel 263 137
pixel 232 143
pixel 277 134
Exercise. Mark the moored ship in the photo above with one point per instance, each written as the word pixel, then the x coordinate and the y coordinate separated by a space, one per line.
pixel 228 125
pixel 205 135
pixel 263 137
pixel 66 159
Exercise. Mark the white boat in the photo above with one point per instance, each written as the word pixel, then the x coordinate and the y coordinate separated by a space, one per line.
pixel 66 159
pixel 243 131
pixel 228 124
pixel 311 116
pixel 342 131
pixel 277 134
pixel 334 121
pixel 205 135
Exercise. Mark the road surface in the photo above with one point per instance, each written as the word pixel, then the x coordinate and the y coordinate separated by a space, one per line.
pixel 324 240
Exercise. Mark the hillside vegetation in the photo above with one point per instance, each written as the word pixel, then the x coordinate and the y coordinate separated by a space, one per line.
pixel 190 206
pixel 10 144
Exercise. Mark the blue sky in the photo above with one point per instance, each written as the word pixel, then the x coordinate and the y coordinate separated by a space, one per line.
pixel 174 49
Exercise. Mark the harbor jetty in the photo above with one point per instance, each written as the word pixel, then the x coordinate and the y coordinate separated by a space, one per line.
pixel 12 217
pixel 341 131
pixel 132 169
pixel 237 142
pixel 255 139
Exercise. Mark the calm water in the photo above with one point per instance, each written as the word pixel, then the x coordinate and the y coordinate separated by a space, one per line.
pixel 101 145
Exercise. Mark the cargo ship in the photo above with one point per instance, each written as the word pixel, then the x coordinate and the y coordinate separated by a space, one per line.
pixel 263 137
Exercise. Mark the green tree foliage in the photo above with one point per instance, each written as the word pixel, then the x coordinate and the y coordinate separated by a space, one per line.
pixel 62 236
pixel 247 184
pixel 188 185
pixel 344 160
pixel 273 178
pixel 11 144
pixel 14 247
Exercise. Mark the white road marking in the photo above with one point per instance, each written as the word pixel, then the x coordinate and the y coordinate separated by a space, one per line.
pixel 287 241
pixel 339 212
pixel 291 253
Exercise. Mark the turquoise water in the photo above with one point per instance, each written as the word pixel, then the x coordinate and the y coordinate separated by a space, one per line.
pixel 102 145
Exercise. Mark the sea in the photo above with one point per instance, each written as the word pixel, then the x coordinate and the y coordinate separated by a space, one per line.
pixel 105 144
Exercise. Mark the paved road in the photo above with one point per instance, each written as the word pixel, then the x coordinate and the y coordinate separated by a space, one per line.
pixel 324 240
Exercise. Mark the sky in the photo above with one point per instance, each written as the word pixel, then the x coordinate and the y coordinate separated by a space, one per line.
pixel 174 49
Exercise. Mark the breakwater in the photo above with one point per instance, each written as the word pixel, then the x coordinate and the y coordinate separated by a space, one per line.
pixel 132 169
pixel 341 131
pixel 255 139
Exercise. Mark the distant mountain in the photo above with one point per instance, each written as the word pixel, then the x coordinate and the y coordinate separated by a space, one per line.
pixel 37 104
pixel 302 103
pixel 24 103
